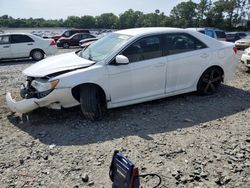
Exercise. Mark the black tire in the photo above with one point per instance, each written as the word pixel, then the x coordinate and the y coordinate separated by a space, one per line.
pixel 210 81
pixel 91 103
pixel 65 45
pixel 37 55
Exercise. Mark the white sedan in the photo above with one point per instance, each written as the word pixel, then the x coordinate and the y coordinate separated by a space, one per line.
pixel 22 45
pixel 128 67
pixel 245 58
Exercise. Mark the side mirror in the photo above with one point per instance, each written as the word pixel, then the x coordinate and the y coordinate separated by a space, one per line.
pixel 121 60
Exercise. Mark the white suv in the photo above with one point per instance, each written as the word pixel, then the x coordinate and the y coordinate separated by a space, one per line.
pixel 25 45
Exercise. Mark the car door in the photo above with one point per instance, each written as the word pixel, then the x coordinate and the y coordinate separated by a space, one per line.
pixel 187 59
pixel 21 45
pixel 5 51
pixel 145 74
pixel 75 40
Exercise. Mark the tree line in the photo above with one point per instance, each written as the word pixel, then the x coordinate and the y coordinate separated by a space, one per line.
pixel 223 14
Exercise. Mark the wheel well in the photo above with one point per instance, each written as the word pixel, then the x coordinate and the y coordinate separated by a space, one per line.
pixel 218 67
pixel 36 49
pixel 76 91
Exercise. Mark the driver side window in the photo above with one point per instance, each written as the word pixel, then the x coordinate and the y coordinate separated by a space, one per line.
pixel 146 48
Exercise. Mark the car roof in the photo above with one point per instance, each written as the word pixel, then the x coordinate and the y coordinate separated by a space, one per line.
pixel 17 34
pixel 203 28
pixel 235 32
pixel 79 34
pixel 148 30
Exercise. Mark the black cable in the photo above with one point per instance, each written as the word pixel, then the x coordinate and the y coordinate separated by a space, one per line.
pixel 145 175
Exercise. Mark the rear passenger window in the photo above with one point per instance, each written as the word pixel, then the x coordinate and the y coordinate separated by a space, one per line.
pixel 21 39
pixel 146 48
pixel 4 39
pixel 181 42
pixel 84 36
pixel 76 37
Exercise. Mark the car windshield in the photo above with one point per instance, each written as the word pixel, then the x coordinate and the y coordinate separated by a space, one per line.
pixel 105 46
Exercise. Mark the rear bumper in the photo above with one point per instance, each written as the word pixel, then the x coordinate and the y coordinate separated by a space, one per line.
pixel 56 99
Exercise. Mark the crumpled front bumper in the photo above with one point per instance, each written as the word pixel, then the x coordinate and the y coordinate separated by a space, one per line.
pixel 23 106
pixel 55 100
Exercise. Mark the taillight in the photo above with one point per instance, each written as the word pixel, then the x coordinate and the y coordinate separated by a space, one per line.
pixel 53 43
pixel 235 50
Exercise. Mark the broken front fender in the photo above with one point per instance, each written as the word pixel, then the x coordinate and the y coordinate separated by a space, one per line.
pixel 23 106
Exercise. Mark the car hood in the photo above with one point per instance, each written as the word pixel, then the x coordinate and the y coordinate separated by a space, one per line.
pixel 59 63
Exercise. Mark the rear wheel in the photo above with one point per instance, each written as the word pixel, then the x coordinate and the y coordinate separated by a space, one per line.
pixel 91 102
pixel 210 81
pixel 37 55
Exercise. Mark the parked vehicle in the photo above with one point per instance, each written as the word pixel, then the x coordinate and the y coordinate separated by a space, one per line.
pixel 73 40
pixel 233 36
pixel 245 58
pixel 86 42
pixel 212 32
pixel 22 45
pixel 242 44
pixel 68 33
pixel 128 67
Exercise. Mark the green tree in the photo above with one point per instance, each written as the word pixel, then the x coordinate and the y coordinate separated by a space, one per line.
pixel 203 9
pixel 87 22
pixel 184 14
pixel 130 19
pixel 107 20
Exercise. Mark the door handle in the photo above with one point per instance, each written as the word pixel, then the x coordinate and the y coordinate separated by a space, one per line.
pixel 6 46
pixel 204 55
pixel 30 44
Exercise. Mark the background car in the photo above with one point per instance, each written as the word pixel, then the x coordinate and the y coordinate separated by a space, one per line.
pixel 21 45
pixel 245 58
pixel 68 33
pixel 233 36
pixel 242 44
pixel 73 40
pixel 86 42
pixel 212 32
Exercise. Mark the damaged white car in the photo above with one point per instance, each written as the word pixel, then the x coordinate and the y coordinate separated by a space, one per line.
pixel 127 67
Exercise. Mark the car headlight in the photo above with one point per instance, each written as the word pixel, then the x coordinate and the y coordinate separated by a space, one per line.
pixel 43 85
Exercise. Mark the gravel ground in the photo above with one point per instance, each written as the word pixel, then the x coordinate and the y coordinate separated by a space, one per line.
pixel 189 140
